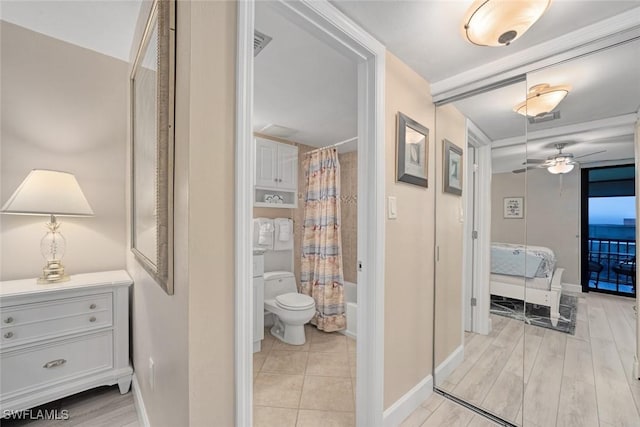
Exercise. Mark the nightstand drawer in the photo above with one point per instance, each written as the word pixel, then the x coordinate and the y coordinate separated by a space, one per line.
pixel 31 331
pixel 62 360
pixel 53 309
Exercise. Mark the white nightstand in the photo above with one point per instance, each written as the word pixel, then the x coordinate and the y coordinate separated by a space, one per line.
pixel 62 338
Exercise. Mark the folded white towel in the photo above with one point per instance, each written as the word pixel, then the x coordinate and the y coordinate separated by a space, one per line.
pixel 264 231
pixel 284 232
pixel 279 243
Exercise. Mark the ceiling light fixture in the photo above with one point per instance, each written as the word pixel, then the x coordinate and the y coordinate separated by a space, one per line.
pixel 563 165
pixel 500 22
pixel 542 99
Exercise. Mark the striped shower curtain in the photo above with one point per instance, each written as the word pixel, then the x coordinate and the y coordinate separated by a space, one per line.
pixel 321 270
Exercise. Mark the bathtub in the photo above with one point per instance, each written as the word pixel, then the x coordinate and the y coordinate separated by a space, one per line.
pixel 351 309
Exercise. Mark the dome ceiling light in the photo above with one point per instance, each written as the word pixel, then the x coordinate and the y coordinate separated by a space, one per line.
pixel 542 99
pixel 500 22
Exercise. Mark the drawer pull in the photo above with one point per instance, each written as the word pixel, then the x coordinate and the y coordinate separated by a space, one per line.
pixel 54 363
pixel 8 335
pixel 8 320
pixel 92 319
pixel 92 306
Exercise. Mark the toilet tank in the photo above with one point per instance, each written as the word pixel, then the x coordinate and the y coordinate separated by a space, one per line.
pixel 278 283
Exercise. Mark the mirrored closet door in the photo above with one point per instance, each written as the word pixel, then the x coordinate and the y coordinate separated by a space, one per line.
pixel 580 228
pixel 479 315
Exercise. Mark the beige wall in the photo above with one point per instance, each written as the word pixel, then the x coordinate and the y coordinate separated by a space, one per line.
pixel 63 108
pixel 409 245
pixel 211 223
pixel 552 215
pixel 450 125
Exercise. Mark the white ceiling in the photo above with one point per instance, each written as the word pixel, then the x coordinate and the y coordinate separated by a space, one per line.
pixel 302 83
pixel 598 113
pixel 426 34
pixel 105 26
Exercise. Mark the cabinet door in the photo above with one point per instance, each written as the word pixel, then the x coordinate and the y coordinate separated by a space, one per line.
pixel 266 163
pixel 287 167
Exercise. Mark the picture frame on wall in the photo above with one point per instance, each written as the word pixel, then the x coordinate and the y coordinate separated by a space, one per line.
pixel 412 151
pixel 452 168
pixel 514 207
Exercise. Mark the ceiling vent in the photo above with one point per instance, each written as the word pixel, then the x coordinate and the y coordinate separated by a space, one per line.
pixel 541 118
pixel 260 41
pixel 278 131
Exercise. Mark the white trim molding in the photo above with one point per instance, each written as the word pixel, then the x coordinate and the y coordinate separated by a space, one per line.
pixel 403 407
pixel 606 33
pixel 143 418
pixel 482 264
pixel 449 365
pixel 245 167
pixel 328 23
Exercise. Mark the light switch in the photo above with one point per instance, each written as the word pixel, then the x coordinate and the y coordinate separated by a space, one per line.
pixel 393 208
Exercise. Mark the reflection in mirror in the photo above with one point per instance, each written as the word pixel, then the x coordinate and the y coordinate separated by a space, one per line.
pixel 581 233
pixel 482 361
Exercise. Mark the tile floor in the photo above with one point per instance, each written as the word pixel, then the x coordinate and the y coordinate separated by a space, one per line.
pixel 305 386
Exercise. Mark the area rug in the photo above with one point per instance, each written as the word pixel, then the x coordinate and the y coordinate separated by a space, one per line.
pixel 538 315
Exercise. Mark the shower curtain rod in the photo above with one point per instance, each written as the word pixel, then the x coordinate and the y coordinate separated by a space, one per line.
pixel 333 145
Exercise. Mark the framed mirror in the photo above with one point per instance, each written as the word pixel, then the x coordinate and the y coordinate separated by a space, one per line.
pixel 152 148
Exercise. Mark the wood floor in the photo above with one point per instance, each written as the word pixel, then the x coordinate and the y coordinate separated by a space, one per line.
pixel 99 407
pixel 564 380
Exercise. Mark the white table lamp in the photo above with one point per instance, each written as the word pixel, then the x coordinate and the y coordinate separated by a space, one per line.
pixel 51 193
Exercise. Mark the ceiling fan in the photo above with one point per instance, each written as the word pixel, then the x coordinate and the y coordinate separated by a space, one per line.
pixel 558 163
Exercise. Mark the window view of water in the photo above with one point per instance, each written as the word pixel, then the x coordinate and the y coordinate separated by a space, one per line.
pixel 612 246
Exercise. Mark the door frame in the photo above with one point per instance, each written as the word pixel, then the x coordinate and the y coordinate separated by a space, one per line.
pixel 325 21
pixel 480 273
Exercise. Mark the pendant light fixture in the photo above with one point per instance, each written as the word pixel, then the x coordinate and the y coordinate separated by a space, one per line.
pixel 542 99
pixel 500 22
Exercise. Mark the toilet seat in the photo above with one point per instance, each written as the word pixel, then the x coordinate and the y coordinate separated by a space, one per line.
pixel 294 301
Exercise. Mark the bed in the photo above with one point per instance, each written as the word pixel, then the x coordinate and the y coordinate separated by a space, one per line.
pixel 518 272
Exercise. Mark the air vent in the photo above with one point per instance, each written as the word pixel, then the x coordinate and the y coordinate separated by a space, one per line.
pixel 260 41
pixel 278 131
pixel 541 118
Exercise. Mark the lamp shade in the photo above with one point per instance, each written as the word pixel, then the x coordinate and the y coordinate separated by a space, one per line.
pixel 542 99
pixel 47 192
pixel 500 22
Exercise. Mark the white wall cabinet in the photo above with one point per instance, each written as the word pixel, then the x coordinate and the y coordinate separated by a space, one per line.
pixel 63 338
pixel 276 174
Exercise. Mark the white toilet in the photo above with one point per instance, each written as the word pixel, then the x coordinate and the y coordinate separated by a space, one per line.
pixel 291 309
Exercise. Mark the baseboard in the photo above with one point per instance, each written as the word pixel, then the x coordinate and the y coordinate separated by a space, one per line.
pixel 408 403
pixel 569 287
pixel 449 365
pixel 348 333
pixel 143 419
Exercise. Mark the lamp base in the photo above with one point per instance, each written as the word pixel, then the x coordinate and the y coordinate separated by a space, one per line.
pixel 53 272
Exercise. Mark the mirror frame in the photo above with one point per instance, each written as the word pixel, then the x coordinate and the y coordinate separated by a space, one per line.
pixel 162 16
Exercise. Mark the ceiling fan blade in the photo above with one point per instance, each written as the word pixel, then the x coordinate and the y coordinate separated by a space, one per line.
pixel 534 161
pixel 591 154
pixel 524 169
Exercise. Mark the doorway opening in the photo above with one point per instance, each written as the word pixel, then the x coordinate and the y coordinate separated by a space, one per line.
pixel 609 230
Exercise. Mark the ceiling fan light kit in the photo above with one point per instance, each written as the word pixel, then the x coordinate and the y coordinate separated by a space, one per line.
pixel 500 22
pixel 542 99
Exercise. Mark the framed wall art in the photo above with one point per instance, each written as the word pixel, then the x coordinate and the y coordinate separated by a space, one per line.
pixel 412 151
pixel 514 207
pixel 452 168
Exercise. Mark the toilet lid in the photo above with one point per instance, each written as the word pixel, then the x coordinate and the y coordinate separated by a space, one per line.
pixel 294 301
